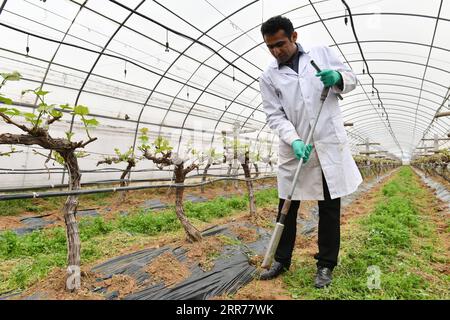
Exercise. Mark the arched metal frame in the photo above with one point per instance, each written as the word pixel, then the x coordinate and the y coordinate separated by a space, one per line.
pixel 401 123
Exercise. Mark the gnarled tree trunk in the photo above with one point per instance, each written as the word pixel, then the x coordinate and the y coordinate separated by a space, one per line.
pixel 205 172
pixel 69 210
pixel 249 183
pixel 123 183
pixel 228 175
pixel 66 149
pixel 180 174
pixel 256 170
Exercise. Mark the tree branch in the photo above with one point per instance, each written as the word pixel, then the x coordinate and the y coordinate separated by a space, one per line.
pixel 44 140
pixel 164 160
pixel 190 168
pixel 53 119
pixel 106 161
pixel 7 154
pixel 48 157
pixel 10 121
pixel 82 145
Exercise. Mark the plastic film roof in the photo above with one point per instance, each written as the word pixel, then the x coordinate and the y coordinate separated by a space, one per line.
pixel 177 66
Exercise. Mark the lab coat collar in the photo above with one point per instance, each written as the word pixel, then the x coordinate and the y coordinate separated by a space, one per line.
pixel 297 55
pixel 301 63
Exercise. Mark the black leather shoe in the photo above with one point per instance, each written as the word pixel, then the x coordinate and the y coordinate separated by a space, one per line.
pixel 276 269
pixel 323 277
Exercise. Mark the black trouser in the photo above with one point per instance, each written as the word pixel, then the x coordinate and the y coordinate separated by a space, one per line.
pixel 329 231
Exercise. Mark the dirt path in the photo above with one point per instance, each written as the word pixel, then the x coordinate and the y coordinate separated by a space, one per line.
pixel 437 211
pixel 306 247
pixel 275 289
pixel 429 249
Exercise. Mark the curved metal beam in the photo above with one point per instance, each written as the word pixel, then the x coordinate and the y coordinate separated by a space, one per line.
pixel 350 118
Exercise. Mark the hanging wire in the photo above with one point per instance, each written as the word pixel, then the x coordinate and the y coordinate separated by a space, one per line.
pixel 125 70
pixel 425 71
pixel 27 49
pixel 181 34
pixel 167 40
pixel 368 72
pixel 262 11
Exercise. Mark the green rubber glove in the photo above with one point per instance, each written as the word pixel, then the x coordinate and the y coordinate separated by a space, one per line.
pixel 329 77
pixel 301 150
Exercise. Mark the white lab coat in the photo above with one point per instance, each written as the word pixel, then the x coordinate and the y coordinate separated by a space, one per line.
pixel 291 102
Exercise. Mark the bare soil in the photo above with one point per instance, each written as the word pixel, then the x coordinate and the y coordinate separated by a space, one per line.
pixel 169 269
pixel 53 287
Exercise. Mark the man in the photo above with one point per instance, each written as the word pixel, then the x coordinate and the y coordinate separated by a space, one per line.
pixel 290 90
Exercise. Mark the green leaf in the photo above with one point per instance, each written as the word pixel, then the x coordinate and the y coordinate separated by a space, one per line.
pixel 12 112
pixel 3 109
pixel 81 154
pixel 69 135
pixel 5 100
pixel 29 115
pixel 41 92
pixel 161 145
pixel 65 107
pixel 90 122
pixel 81 110
pixel 55 113
pixel 43 107
pixel 13 76
pixel 117 152
pixel 129 152
pixel 36 122
pixel 144 147
pixel 143 139
pixel 58 158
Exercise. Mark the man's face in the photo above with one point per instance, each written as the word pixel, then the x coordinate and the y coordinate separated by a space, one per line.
pixel 280 46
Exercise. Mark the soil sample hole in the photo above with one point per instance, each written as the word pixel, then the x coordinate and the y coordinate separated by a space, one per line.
pixel 245 234
pixel 168 268
pixel 205 252
pixel 122 284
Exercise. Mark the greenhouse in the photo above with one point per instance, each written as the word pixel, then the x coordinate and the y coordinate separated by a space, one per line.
pixel 224 150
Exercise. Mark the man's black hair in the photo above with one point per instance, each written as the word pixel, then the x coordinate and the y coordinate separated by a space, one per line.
pixel 274 24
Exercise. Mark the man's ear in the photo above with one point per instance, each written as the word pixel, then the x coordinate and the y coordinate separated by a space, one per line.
pixel 294 36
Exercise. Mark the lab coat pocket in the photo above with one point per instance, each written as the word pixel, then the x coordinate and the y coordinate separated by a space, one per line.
pixel 338 124
pixel 285 153
pixel 332 154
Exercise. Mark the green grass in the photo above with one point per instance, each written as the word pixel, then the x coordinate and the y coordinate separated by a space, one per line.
pixel 397 238
pixel 100 199
pixel 26 259
pixel 14 207
pixel 20 206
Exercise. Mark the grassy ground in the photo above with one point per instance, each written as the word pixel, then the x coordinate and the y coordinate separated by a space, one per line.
pixel 403 239
pixel 20 206
pixel 26 259
pixel 401 232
